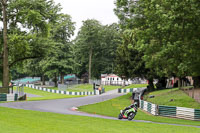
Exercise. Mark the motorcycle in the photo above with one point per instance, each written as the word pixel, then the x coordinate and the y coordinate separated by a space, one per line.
pixel 128 113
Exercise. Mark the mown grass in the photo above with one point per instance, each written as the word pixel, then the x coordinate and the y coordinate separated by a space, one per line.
pixel 89 87
pixel 45 95
pixel 135 86
pixel 172 97
pixel 25 121
pixel 86 87
pixel 112 108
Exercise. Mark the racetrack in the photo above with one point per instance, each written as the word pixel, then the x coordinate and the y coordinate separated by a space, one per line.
pixel 64 106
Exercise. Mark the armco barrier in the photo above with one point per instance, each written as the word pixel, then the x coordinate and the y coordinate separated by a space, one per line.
pixel 8 97
pixel 62 92
pixel 179 112
pixel 170 111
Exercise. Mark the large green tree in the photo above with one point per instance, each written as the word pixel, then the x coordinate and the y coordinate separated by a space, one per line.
pixel 59 59
pixel 129 61
pixel 23 22
pixel 95 48
pixel 87 43
pixel 167 33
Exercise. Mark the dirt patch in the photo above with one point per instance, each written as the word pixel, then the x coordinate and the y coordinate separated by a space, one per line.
pixel 194 93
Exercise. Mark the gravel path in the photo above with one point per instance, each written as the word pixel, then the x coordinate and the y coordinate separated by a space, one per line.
pixel 65 106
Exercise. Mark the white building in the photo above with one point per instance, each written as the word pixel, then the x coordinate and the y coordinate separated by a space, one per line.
pixel 112 79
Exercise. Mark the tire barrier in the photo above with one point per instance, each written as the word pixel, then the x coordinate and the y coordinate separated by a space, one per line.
pixel 8 97
pixel 62 92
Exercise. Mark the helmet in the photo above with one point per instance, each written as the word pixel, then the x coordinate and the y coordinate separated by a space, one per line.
pixel 135 104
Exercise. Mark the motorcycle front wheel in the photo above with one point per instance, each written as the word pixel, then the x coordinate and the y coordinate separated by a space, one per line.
pixel 131 116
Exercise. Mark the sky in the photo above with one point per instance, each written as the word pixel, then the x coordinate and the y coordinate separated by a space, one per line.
pixel 80 10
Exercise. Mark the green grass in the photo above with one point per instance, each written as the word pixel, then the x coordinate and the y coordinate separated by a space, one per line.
pixel 25 121
pixel 54 88
pixel 135 86
pixel 112 108
pixel 89 87
pixel 86 87
pixel 180 99
pixel 45 95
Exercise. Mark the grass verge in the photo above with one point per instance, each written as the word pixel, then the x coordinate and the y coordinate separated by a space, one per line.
pixel 112 108
pixel 172 97
pixel 44 95
pixel 135 86
pixel 86 87
pixel 25 121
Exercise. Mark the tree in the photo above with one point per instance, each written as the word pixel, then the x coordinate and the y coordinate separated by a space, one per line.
pixel 88 40
pixel 59 59
pixel 101 42
pixel 5 46
pixel 18 15
pixel 167 33
pixel 129 61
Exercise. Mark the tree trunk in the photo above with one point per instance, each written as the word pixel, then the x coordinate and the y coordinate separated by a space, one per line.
pixel 62 78
pixel 55 80
pixel 151 85
pixel 90 63
pixel 5 46
pixel 43 80
pixel 196 83
pixel 179 83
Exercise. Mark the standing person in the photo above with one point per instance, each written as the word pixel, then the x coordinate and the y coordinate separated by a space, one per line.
pixel 94 87
pixel 100 90
pixel 10 84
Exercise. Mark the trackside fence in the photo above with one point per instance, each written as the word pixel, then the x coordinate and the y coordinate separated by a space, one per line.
pixel 62 92
pixel 130 90
pixel 170 111
pixel 149 107
pixel 8 97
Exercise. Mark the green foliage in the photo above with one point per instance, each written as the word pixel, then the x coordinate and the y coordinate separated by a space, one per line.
pixel 28 29
pixel 100 42
pixel 166 32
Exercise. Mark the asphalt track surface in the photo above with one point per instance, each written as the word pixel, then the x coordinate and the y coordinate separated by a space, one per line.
pixel 67 106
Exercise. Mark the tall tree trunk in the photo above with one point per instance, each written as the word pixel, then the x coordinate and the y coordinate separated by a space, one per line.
pixel 62 78
pixel 179 83
pixel 43 79
pixel 55 80
pixel 5 46
pixel 196 83
pixel 90 63
pixel 151 85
